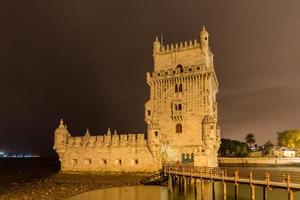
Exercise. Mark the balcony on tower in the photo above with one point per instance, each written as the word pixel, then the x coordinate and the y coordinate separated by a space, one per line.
pixel 177 110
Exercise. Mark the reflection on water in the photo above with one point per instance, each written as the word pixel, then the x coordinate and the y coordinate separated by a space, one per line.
pixel 126 193
pixel 161 193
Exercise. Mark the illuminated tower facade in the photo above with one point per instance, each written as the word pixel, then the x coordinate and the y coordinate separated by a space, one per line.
pixel 182 111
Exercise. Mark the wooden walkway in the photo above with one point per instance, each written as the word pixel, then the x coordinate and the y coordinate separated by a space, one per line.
pixel 267 179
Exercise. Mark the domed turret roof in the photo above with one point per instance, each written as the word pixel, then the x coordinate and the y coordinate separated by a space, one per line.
pixel 208 119
pixel 61 128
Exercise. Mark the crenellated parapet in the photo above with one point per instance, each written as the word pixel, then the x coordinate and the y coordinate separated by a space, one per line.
pixel 103 140
pixel 183 53
pixel 181 46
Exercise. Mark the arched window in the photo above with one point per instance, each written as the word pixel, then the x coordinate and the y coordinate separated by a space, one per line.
pixel 176 88
pixel 178 128
pixel 180 88
pixel 180 67
pixel 187 156
pixel 182 157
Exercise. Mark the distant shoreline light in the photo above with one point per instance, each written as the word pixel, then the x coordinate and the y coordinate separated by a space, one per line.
pixel 8 155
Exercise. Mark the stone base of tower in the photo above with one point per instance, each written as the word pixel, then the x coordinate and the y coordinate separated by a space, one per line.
pixel 206 160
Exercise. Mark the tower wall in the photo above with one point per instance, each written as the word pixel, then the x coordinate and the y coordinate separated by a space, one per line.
pixel 106 153
pixel 183 88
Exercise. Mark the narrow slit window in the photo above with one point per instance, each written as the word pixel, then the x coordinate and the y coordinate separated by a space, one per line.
pixel 180 88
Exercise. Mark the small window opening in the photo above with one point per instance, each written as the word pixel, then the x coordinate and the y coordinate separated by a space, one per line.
pixel 176 88
pixel 74 161
pixel 136 161
pixel 182 157
pixel 87 161
pixel 178 128
pixel 120 162
pixel 211 127
pixel 180 88
pixel 179 107
pixel 104 161
pixel 149 112
pixel 156 134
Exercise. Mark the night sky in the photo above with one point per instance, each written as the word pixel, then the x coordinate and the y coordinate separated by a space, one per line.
pixel 86 62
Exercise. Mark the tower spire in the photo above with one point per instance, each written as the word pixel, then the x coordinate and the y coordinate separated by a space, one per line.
pixel 87 133
pixel 61 123
pixel 156 46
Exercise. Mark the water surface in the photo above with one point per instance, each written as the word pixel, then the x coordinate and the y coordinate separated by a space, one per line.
pixel 161 193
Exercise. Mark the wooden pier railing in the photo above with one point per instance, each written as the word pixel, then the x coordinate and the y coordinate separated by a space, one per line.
pixel 267 179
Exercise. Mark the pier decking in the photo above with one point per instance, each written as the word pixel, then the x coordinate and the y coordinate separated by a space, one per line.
pixel 184 175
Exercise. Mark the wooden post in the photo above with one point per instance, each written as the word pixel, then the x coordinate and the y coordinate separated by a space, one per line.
pixel 291 194
pixel 170 186
pixel 202 188
pixel 195 186
pixel 290 191
pixel 184 185
pixel 224 184
pixel 252 186
pixel 265 193
pixel 179 183
pixel 224 191
pixel 252 192
pixel 213 190
pixel 265 188
pixel 236 186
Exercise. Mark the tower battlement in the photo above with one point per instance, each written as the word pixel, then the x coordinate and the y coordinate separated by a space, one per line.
pixel 104 140
pixel 132 139
pixel 183 53
pixel 181 46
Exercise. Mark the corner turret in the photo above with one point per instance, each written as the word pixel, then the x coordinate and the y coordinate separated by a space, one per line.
pixel 61 135
pixel 156 46
pixel 204 40
pixel 153 135
pixel 209 133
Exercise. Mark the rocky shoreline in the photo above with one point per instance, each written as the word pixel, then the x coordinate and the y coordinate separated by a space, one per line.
pixel 62 186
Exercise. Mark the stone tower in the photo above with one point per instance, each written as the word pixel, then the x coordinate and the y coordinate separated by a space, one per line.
pixel 182 111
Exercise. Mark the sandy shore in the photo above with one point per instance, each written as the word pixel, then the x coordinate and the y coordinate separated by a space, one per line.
pixel 63 186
